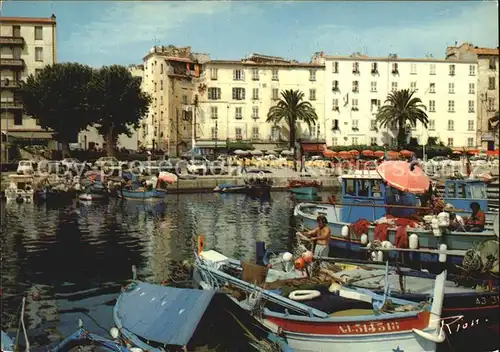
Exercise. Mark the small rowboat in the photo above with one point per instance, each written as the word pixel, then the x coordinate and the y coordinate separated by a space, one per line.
pixel 304 187
pixel 142 194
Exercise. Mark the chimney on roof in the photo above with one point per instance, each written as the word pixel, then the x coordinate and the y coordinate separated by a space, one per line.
pixel 456 43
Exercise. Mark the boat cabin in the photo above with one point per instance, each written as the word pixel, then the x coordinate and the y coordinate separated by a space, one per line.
pixel 21 181
pixel 461 193
pixel 361 192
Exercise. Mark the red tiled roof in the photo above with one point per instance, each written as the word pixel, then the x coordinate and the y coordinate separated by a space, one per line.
pixel 28 20
pixel 485 51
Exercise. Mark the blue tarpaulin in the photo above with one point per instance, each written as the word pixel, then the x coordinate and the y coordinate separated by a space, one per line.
pixel 166 315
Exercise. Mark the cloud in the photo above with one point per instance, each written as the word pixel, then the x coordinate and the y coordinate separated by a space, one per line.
pixel 475 23
pixel 124 24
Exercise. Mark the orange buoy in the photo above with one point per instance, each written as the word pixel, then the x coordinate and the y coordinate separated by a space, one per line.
pixel 300 263
pixel 201 243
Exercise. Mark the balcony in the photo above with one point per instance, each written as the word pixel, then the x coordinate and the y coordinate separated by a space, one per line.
pixel 12 63
pixel 12 41
pixel 11 105
pixel 10 84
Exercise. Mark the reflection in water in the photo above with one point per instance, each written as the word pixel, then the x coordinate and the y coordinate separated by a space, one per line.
pixel 78 256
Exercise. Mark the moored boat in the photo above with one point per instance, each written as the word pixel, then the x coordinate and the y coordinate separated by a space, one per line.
pixel 305 187
pixel 329 316
pixel 154 318
pixel 142 194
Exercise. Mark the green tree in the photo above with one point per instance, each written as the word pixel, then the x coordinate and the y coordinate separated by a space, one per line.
pixel 120 102
pixel 291 109
pixel 58 96
pixel 402 108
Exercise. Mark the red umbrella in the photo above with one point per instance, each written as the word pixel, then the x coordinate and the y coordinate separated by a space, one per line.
pixel 406 153
pixel 344 155
pixel 367 153
pixel 398 175
pixel 329 153
pixel 392 155
pixel 354 152
pixel 379 153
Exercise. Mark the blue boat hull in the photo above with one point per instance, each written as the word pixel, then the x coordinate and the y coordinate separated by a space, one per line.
pixel 304 190
pixel 142 195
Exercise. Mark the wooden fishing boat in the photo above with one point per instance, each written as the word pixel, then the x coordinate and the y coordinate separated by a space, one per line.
pixel 21 189
pixel 95 191
pixel 470 311
pixel 142 194
pixel 360 217
pixel 305 187
pixel 154 317
pixel 358 317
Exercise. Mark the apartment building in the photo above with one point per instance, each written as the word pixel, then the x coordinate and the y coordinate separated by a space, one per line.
pixel 487 88
pixel 90 137
pixel 171 77
pixel 235 97
pixel 26 46
pixel 356 86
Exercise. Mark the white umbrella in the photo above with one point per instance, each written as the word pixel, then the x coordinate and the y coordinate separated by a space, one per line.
pixel 271 152
pixel 256 152
pixel 286 152
pixel 240 152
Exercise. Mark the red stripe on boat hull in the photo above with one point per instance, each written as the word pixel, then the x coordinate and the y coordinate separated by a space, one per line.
pixel 420 321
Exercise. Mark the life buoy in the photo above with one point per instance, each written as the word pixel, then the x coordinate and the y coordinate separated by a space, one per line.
pixel 304 295
pixel 201 243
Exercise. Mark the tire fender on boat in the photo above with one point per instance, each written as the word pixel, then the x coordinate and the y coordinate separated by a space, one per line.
pixel 304 295
pixel 413 242
pixel 345 231
pixel 364 238
pixel 200 243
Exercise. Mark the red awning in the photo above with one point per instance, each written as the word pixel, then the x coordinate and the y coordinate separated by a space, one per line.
pixel 492 152
pixel 313 147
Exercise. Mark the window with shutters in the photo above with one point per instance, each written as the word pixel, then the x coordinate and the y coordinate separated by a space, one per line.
pixel 255 133
pixel 413 69
pixel 238 93
pixel 451 105
pixel 373 87
pixel 255 112
pixel 472 88
pixel 472 70
pixel 213 74
pixel 214 93
pixel 237 133
pixel 214 112
pixel 255 94
pixel 355 86
pixel 355 67
pixel 255 74
pixel 335 86
pixel 38 33
pixel 470 142
pixel 373 140
pixel 312 75
pixel 275 74
pixel 38 54
pixel 413 86
pixel 354 140
pixel 470 125
pixel 394 86
pixel 432 70
pixel 451 125
pixel 214 132
pixel 491 83
pixel 275 94
pixel 355 104
pixel 432 87
pixel 238 113
pixel 450 142
pixel 335 141
pixel 373 125
pixel 452 70
pixel 312 94
pixel 471 106
pixel 238 75
pixel 451 88
pixel 335 104
pixel 335 67
pixel 432 106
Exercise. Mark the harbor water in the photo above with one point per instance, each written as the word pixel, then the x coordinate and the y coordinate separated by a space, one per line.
pixel 71 260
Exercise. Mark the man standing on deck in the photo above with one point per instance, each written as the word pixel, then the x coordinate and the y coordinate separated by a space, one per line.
pixel 321 235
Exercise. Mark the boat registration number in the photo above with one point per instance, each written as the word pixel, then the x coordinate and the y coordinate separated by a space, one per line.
pixel 366 328
pixel 488 301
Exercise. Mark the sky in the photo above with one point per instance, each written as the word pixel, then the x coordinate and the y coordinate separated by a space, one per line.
pixel 121 32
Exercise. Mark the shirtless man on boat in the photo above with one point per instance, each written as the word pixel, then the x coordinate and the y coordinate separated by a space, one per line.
pixel 321 235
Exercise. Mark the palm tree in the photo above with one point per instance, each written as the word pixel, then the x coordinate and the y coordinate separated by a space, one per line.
pixel 402 108
pixel 291 109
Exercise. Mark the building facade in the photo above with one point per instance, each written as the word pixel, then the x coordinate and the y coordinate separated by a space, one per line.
pixel 90 137
pixel 26 46
pixel 357 86
pixel 235 97
pixel 170 77
pixel 487 88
